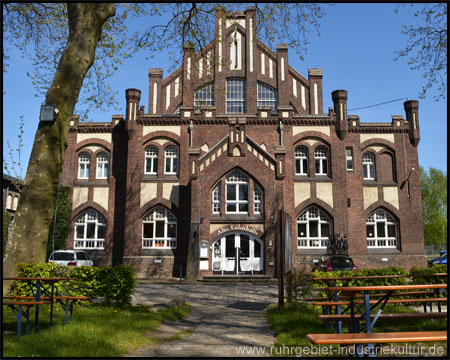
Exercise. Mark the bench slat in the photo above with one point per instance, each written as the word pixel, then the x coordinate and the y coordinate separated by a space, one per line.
pixel 365 338
pixel 400 316
pixel 393 301
pixel 25 303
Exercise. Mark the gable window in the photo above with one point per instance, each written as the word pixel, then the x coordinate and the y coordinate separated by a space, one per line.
pixel 216 195
pixel 257 198
pixel 171 160
pixel 204 96
pixel 159 229
pixel 151 160
pixel 90 230
pixel 301 160
pixel 313 229
pixel 84 163
pixel 321 160
pixel 102 166
pixel 267 96
pixel 381 230
pixel 235 101
pixel 349 158
pixel 368 166
pixel 237 193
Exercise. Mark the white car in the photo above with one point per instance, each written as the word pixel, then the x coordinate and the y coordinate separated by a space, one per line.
pixel 70 258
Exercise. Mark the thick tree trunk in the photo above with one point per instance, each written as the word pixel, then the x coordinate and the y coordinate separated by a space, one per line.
pixel 36 205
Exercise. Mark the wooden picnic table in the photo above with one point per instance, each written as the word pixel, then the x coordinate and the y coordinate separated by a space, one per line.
pixel 40 286
pixel 365 309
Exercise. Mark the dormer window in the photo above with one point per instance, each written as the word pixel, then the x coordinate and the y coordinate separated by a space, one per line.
pixel 267 96
pixel 235 96
pixel 204 96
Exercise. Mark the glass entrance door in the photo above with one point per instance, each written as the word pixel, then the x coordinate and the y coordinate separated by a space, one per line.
pixel 237 254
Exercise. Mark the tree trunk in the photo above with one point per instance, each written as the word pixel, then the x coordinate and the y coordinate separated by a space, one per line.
pixel 36 205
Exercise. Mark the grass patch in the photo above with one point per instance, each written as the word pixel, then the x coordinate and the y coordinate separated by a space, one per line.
pixel 293 322
pixel 95 331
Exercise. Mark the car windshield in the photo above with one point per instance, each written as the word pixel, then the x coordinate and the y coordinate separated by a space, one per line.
pixel 63 256
pixel 443 256
pixel 341 262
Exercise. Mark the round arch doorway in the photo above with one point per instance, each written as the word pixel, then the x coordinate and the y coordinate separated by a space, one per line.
pixel 237 254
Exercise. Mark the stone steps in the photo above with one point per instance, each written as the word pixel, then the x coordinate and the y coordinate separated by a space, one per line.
pixel 252 279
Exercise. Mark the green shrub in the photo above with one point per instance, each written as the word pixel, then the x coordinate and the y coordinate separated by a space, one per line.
pixel 435 269
pixel 112 283
pixel 298 285
pixel 6 222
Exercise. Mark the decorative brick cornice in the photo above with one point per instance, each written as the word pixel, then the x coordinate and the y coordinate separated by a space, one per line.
pixel 91 129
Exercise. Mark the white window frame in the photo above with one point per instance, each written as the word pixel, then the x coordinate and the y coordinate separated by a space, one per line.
pixel 368 166
pixel 236 179
pixel 216 199
pixel 321 159
pixel 349 159
pixel 257 199
pixel 151 156
pixel 204 96
pixel 301 154
pixel 155 215
pixel 84 164
pixel 102 166
pixel 235 96
pixel 377 241
pixel 88 218
pixel 171 160
pixel 307 241
pixel 267 96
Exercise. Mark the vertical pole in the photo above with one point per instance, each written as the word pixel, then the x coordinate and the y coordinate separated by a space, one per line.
pixel 280 259
pixel 37 298
pixel 51 304
pixel 19 321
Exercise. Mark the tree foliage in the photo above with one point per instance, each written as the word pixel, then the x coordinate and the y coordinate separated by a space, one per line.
pixel 433 186
pixel 426 47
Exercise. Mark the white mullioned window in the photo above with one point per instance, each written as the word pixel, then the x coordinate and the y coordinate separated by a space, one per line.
pixel 313 229
pixel 267 96
pixel 235 101
pixel 90 231
pixel 84 164
pixel 369 166
pixel 301 160
pixel 236 193
pixel 204 96
pixel 216 197
pixel 171 160
pixel 257 199
pixel 159 229
pixel 349 158
pixel 151 160
pixel 381 230
pixel 321 160
pixel 102 166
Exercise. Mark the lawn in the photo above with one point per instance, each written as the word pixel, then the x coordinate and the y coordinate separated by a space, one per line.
pixel 294 322
pixel 96 331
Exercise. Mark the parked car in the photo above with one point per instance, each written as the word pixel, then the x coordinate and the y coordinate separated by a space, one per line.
pixel 439 260
pixel 70 258
pixel 336 262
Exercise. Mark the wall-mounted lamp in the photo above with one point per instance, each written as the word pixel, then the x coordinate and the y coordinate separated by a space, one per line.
pixel 48 113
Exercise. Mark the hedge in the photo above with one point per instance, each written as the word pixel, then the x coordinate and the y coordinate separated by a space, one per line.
pixel 6 222
pixel 112 283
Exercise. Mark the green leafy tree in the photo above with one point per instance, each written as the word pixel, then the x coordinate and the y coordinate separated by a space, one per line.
pixel 75 47
pixel 433 186
pixel 426 47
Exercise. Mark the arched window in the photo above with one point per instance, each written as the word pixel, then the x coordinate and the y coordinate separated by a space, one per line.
pixel 171 160
pixel 257 199
pixel 16 201
pixel 216 197
pixel 90 231
pixel 102 165
pixel 84 163
pixel 369 166
pixel 235 100
pixel 236 193
pixel 313 228
pixel 381 230
pixel 204 96
pixel 301 160
pixel 151 160
pixel 321 160
pixel 267 96
pixel 9 202
pixel 159 229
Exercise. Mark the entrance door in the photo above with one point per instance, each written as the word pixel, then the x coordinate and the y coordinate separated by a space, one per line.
pixel 236 254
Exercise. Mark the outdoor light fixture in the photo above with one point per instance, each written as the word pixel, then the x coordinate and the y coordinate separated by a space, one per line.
pixel 47 113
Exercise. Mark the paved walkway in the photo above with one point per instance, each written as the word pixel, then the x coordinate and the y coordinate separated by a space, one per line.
pixel 224 317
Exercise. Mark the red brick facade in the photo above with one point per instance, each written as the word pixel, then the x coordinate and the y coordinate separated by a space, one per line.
pixel 260 143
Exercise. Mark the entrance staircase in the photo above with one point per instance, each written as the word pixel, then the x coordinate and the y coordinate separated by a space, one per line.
pixel 245 279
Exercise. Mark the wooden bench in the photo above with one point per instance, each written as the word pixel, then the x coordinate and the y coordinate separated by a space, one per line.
pixel 399 316
pixel 369 338
pixel 396 294
pixel 16 307
pixel 393 301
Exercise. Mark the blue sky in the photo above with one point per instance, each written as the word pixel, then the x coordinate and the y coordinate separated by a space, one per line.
pixel 355 51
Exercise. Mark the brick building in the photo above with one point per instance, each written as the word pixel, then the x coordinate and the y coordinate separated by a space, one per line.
pixel 228 138
pixel 11 193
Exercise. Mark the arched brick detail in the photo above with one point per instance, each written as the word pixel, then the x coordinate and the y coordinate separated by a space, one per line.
pixel 93 141
pixel 377 141
pixel 158 202
pixel 165 134
pixel 312 134
pixel 85 206
pixel 315 202
pixel 211 184
pixel 382 205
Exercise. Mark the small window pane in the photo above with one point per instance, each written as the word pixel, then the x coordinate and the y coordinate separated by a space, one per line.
pixel 301 229
pixel 231 192
pixel 231 207
pixel 243 192
pixel 257 251
pixel 245 246
pixel 313 228
pixel 370 229
pixel 243 207
pixel 90 231
pixel 171 230
pixel 80 231
pixel 159 229
pixel 380 229
pixel 101 232
pixel 391 230
pixel 324 230
pixel 230 250
pixel 148 230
